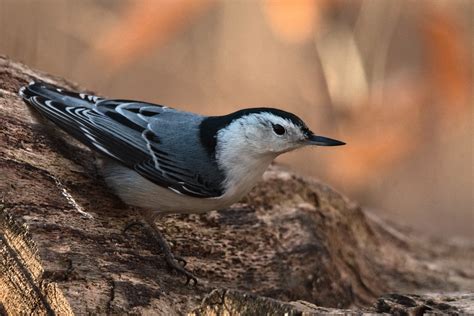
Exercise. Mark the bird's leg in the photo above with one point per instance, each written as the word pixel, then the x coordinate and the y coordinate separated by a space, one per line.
pixel 174 262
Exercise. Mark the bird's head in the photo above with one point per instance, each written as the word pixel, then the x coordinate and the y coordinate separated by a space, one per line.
pixel 265 132
pixel 245 142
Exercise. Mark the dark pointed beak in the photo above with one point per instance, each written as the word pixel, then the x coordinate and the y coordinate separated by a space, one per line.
pixel 323 141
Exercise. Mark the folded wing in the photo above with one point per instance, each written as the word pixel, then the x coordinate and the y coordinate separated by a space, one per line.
pixel 121 130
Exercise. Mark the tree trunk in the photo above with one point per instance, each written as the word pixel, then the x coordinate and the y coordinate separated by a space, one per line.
pixel 292 245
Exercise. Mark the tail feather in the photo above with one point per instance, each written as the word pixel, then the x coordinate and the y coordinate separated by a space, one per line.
pixel 57 94
pixel 76 113
pixel 70 111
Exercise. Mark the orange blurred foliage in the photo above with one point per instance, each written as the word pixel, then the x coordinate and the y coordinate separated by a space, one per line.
pixel 382 136
pixel 144 25
pixel 449 70
pixel 147 24
pixel 294 21
pixel 379 137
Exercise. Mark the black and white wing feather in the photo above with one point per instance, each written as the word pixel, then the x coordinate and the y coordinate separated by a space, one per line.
pixel 122 130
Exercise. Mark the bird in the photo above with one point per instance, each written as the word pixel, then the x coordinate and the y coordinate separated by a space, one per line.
pixel 167 161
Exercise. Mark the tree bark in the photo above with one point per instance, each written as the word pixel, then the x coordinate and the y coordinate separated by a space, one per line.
pixel 292 245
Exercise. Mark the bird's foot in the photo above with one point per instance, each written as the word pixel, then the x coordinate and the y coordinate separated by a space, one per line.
pixel 175 263
pixel 181 260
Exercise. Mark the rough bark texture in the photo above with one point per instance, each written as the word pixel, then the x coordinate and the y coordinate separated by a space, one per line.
pixel 293 245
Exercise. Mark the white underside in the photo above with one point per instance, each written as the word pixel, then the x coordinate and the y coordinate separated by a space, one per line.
pixel 135 190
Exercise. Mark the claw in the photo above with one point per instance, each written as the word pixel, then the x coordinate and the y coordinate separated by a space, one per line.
pixel 174 264
pixel 189 276
pixel 181 260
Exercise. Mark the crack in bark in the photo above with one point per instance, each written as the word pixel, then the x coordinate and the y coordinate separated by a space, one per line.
pixel 19 262
pixel 62 188
pixel 111 297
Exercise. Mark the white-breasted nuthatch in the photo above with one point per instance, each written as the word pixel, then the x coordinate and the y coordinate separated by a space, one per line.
pixel 170 161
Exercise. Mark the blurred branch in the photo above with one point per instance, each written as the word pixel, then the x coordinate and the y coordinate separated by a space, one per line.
pixel 382 46
pixel 341 63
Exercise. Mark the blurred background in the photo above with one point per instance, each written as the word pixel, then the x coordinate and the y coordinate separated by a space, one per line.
pixel 393 79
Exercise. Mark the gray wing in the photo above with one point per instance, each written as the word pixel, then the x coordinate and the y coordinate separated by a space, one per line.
pixel 142 136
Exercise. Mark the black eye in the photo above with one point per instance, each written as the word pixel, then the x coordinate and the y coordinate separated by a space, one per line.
pixel 278 129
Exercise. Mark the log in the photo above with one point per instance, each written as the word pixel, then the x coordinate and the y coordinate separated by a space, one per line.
pixel 292 245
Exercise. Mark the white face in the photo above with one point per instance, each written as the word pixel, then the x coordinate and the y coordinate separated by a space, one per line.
pixel 264 134
pixel 246 147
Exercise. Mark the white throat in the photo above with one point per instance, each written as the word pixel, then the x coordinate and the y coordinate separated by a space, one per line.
pixel 242 165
